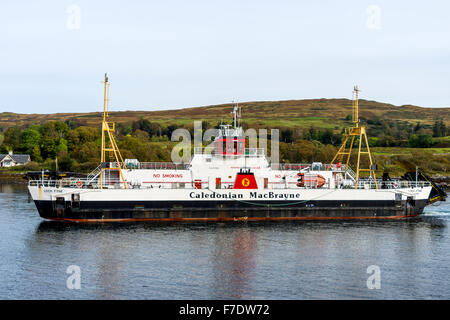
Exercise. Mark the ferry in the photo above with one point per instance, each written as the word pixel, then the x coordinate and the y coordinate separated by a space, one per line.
pixel 229 182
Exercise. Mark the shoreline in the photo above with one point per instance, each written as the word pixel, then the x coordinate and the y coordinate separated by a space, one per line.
pixel 13 178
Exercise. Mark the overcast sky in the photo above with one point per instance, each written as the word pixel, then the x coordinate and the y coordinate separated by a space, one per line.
pixel 174 54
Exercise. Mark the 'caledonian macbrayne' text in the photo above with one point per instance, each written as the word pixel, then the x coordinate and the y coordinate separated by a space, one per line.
pixel 253 195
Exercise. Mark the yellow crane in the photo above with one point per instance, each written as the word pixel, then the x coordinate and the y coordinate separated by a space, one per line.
pixel 109 145
pixel 357 133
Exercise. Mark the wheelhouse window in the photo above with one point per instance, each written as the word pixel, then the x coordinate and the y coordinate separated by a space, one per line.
pixel 241 147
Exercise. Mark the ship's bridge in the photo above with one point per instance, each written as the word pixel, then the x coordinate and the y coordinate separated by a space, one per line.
pixel 229 144
pixel 227 154
pixel 231 141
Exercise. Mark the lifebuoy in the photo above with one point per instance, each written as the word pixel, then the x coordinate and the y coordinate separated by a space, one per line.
pixel 301 182
pixel 79 184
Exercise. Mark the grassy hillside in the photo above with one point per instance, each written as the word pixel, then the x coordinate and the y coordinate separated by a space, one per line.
pixel 401 137
pixel 320 113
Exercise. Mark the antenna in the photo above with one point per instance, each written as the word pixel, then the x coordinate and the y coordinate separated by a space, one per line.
pixel 235 115
pixel 355 105
pixel 240 110
pixel 105 97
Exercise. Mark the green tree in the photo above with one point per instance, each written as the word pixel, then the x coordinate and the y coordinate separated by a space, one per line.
pixel 80 136
pixel 312 134
pixel 418 126
pixel 420 141
pixel 87 152
pixel 439 129
pixel 35 154
pixel 124 129
pixel 287 135
pixel 53 141
pixel 328 137
pixel 65 161
pixel 61 146
pixel 31 139
pixel 374 142
pixel 12 139
pixel 141 135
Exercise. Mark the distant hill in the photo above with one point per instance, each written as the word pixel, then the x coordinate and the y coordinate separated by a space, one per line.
pixel 317 112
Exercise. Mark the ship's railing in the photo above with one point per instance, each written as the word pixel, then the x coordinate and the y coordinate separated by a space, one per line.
pixel 289 166
pixel 228 131
pixel 249 152
pixel 114 164
pixel 173 185
pixel 67 183
pixel 115 184
pixel 394 184
pixel 255 152
pixel 204 150
pixel 146 165
pixel 159 166
pixel 313 166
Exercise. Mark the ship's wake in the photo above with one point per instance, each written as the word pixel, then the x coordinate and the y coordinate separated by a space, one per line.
pixel 436 213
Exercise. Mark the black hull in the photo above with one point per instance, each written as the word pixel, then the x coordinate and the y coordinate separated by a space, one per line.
pixel 93 211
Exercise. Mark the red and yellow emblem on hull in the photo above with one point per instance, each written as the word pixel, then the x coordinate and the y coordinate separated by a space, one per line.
pixel 245 180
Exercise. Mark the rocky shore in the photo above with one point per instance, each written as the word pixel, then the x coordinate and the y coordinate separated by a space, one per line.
pixel 442 181
pixel 13 177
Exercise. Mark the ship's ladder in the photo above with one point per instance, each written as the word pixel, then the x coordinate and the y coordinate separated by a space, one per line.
pixel 349 173
pixel 94 174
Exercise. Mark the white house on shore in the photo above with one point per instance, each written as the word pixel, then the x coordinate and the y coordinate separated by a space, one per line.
pixel 10 159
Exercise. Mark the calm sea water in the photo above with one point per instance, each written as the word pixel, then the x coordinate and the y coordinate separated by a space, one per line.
pixel 301 260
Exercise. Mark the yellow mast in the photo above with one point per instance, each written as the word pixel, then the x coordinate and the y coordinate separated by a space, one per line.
pixel 109 145
pixel 356 132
